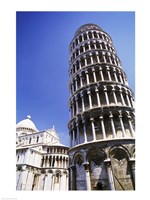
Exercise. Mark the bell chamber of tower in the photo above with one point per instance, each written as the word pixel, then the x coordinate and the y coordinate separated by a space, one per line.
pixel 102 119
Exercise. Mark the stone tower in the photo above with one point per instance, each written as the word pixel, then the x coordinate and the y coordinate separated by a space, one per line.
pixel 101 125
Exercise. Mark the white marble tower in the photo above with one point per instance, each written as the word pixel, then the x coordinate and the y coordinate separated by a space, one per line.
pixel 101 125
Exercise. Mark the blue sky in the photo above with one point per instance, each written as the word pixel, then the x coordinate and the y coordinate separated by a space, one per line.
pixel 42 57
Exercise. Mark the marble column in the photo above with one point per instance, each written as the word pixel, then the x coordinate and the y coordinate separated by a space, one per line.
pixel 101 46
pixel 97 95
pixel 81 83
pixel 114 95
pixel 91 58
pixel 130 125
pixel 112 125
pixel 101 73
pixel 103 37
pixel 90 100
pixel 87 175
pixel 122 125
pixel 78 133
pixel 108 72
pixel 109 57
pixel 76 84
pixel 87 77
pixel 84 130
pixel 79 64
pixel 55 164
pixel 122 99
pixel 82 99
pixel 94 44
pixel 93 128
pixel 132 166
pixel 109 173
pixel 79 51
pixel 104 57
pixel 85 60
pixel 45 183
pixel 67 177
pixel 114 60
pixel 52 181
pixel 75 68
pixel 77 109
pixel 132 101
pixel 72 177
pixel 87 36
pixel 98 35
pixel 116 79
pixel 129 104
pixel 120 77
pixel 103 127
pixel 106 95
pixel 73 137
pixel 92 35
pixel 23 178
pixel 94 75
pixel 97 56
pixel 89 45
pixel 72 87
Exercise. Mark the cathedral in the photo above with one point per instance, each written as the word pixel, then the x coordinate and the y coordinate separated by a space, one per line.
pixel 41 160
pixel 101 127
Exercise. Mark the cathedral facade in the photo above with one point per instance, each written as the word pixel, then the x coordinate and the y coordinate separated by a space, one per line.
pixel 41 160
pixel 101 155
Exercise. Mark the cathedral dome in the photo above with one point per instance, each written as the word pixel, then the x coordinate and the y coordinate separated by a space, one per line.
pixel 26 126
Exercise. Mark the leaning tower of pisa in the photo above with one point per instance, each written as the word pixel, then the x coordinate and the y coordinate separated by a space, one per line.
pixel 101 124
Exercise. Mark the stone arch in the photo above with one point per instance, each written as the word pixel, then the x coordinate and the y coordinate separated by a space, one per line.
pixel 95 34
pixel 118 96
pixel 97 45
pixel 121 169
pixel 90 35
pixel 110 95
pixel 97 170
pixel 65 172
pixel 92 45
pixel 77 64
pixel 50 171
pixel 120 147
pixel 58 172
pixel 102 95
pixel 107 124
pixel 77 52
pixel 85 36
pixel 76 41
pixel 95 150
pixel 76 157
pixel 80 176
pixel 80 38
pixel 82 61
pixel 94 57
pixel 86 47
pixel 124 91
pixel 57 177
pixel 117 124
